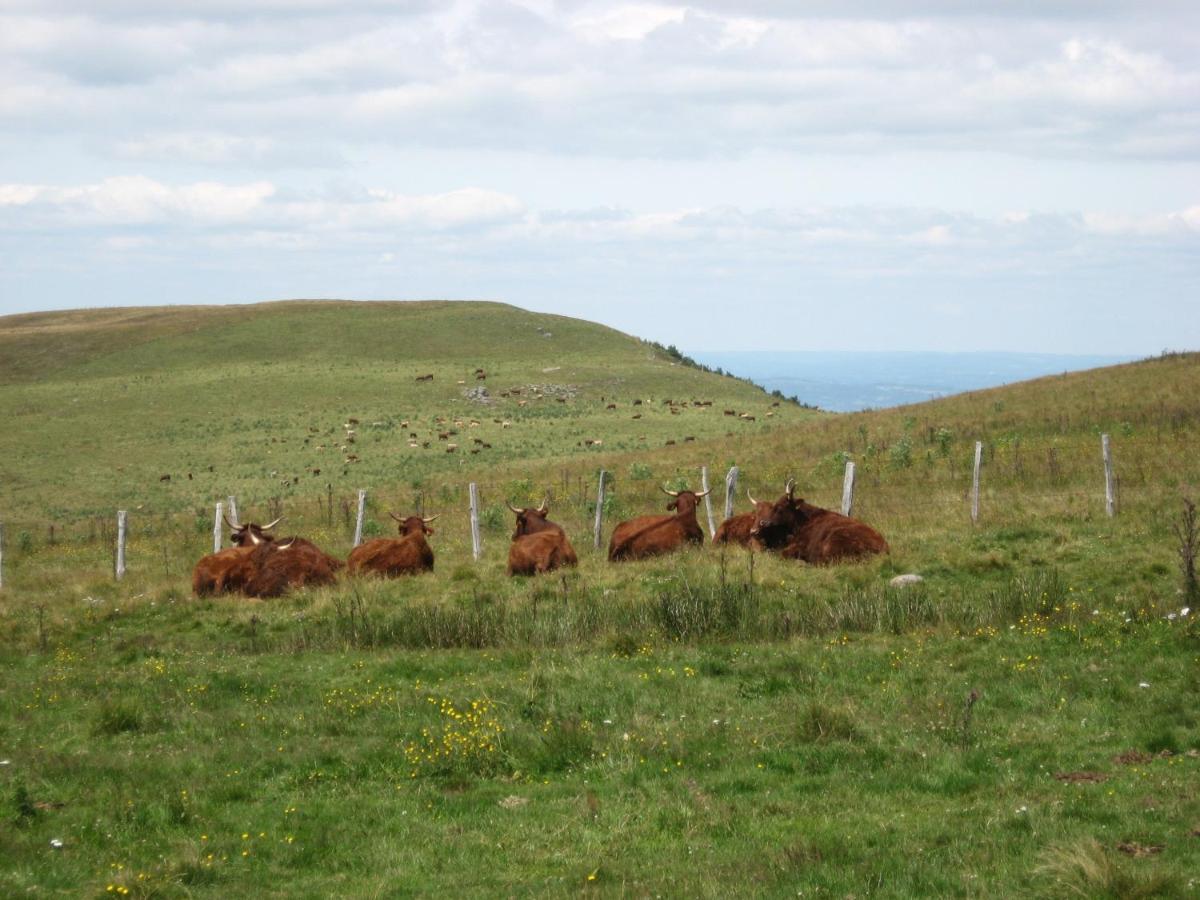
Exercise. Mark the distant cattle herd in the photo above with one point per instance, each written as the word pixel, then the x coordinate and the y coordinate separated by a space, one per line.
pixel 262 565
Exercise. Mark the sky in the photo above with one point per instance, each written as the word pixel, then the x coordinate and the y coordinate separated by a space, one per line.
pixel 720 175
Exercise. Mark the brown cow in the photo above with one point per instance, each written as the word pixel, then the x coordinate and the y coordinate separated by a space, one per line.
pixel 775 523
pixel 222 572
pixel 647 536
pixel 736 530
pixel 815 535
pixel 825 536
pixel 275 567
pixel 538 545
pixel 409 554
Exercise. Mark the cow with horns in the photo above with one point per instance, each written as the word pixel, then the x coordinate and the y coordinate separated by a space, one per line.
pixel 647 536
pixel 275 567
pixel 409 554
pixel 225 571
pixel 538 545
pixel 815 535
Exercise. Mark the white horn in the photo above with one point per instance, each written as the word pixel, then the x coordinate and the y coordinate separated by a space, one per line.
pixel 669 493
pixel 270 525
pixel 751 496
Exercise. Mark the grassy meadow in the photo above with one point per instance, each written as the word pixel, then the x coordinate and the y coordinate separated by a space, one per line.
pixel 1024 722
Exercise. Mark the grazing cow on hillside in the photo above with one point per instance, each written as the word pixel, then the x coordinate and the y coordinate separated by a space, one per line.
pixel 538 545
pixel 410 554
pixel 275 567
pixel 222 572
pixel 652 535
pixel 815 535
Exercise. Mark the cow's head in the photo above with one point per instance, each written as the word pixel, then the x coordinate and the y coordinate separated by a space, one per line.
pixel 780 517
pixel 531 519
pixel 250 534
pixel 414 524
pixel 683 503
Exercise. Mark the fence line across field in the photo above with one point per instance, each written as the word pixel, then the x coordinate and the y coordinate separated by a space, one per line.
pixel 1111 487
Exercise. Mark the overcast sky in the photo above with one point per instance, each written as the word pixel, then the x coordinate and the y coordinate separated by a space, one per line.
pixel 764 174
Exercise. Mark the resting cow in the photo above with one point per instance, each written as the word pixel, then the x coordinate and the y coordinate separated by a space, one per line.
pixel 736 530
pixel 825 536
pixel 410 554
pixel 814 535
pixel 538 544
pixel 647 536
pixel 274 568
pixel 224 571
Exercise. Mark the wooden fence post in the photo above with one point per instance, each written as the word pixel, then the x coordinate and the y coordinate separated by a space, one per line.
pixel 848 489
pixel 217 527
pixel 474 492
pixel 1110 506
pixel 731 478
pixel 233 516
pixel 599 509
pixel 712 528
pixel 975 482
pixel 358 524
pixel 121 522
pixel 1 556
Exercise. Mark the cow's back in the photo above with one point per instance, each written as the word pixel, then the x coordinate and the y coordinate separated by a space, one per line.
pixel 625 531
pixel 829 537
pixel 660 534
pixel 299 563
pixel 542 551
pixel 392 556
pixel 735 530
pixel 211 574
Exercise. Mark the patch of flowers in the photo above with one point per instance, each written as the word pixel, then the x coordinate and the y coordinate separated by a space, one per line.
pixel 468 739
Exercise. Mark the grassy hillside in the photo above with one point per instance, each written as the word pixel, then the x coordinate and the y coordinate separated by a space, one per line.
pixel 252 401
pixel 1025 722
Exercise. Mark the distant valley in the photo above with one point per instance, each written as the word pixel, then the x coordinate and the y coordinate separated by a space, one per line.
pixel 852 381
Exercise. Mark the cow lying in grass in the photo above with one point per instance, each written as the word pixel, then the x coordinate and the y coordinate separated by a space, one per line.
pixel 224 571
pixel 262 566
pixel 647 536
pixel 275 567
pixel 409 554
pixel 813 534
pixel 538 545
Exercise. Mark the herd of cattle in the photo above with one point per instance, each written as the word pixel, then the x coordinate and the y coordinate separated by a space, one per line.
pixel 261 565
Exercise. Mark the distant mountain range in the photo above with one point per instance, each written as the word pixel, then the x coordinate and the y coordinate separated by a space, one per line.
pixel 845 381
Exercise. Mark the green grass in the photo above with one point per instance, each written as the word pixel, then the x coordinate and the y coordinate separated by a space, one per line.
pixel 704 725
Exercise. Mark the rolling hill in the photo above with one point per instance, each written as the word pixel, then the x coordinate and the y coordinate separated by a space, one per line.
pixel 255 400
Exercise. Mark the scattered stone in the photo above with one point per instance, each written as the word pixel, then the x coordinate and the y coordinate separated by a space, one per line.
pixel 513 802
pixel 1133 848
pixel 1081 777
pixel 1132 758
pixel 478 394
pixel 906 580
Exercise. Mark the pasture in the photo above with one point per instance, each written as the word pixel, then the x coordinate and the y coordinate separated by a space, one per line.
pixel 706 724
